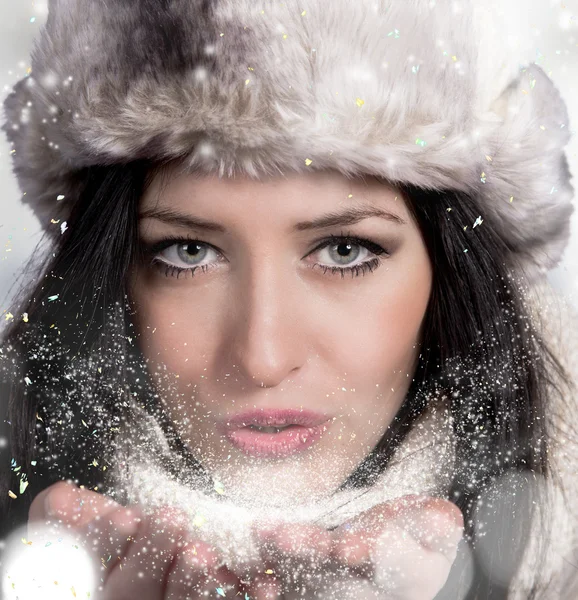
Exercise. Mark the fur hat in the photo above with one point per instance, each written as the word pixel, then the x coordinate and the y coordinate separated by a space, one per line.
pixel 416 91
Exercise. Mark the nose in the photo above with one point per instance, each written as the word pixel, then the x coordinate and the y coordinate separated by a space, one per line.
pixel 264 337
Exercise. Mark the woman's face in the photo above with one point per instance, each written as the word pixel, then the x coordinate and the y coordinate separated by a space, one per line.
pixel 271 319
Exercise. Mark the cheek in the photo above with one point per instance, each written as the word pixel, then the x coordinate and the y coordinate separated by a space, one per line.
pixel 169 333
pixel 383 332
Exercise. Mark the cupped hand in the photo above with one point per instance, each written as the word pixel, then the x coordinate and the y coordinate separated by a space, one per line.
pixel 149 557
pixel 399 550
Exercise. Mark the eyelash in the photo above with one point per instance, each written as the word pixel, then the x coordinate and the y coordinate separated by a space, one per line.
pixel 168 270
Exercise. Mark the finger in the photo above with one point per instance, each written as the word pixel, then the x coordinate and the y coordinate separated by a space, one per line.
pixel 63 505
pixel 264 586
pixel 289 552
pixel 405 568
pixel 352 550
pixel 93 506
pixel 372 519
pixel 108 537
pixel 61 495
pixel 219 582
pixel 307 550
pixel 410 527
pixel 223 581
pixel 191 568
pixel 296 542
pixel 424 517
pixel 143 572
pixel 211 585
pixel 67 503
pixel 438 526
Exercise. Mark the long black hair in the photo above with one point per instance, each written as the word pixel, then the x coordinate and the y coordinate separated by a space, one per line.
pixel 70 359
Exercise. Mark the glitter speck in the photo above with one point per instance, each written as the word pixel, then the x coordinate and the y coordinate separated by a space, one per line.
pixel 198 520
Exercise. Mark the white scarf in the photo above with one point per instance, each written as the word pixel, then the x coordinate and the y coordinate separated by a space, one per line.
pixel 422 464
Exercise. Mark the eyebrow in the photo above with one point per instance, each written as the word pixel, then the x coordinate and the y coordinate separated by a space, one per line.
pixel 349 216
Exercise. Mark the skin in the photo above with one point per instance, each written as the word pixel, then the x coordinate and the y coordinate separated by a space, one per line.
pixel 422 531
pixel 261 328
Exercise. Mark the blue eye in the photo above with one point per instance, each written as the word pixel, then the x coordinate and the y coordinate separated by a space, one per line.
pixel 189 254
pixel 343 247
pixel 174 257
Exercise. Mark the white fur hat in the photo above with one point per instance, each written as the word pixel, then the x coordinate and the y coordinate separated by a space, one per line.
pixel 416 91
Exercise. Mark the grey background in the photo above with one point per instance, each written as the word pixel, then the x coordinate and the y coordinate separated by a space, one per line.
pixel 547 27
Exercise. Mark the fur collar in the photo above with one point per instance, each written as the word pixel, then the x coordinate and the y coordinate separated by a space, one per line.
pixel 419 466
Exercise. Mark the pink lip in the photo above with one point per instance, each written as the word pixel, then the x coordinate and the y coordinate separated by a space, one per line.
pixel 307 427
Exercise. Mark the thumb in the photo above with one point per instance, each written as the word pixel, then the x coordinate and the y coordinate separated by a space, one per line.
pixel 70 504
pixel 437 525
pixel 413 553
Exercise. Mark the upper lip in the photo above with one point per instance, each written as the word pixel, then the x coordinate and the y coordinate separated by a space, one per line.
pixel 274 418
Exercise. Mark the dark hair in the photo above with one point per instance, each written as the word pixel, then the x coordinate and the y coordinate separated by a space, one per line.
pixel 71 366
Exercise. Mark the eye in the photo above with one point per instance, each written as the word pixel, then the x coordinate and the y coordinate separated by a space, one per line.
pixel 188 254
pixel 339 254
pixel 343 251
pixel 176 256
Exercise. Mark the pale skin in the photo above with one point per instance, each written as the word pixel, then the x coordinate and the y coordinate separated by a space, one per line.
pixel 155 559
pixel 261 325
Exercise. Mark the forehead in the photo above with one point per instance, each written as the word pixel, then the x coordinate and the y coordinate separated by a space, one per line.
pixel 173 187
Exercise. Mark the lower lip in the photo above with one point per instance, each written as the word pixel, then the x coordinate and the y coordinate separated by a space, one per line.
pixel 292 440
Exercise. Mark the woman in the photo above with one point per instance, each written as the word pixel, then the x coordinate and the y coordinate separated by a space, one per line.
pixel 431 376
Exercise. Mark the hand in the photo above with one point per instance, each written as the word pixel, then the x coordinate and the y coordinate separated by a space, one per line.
pixel 399 550
pixel 145 557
